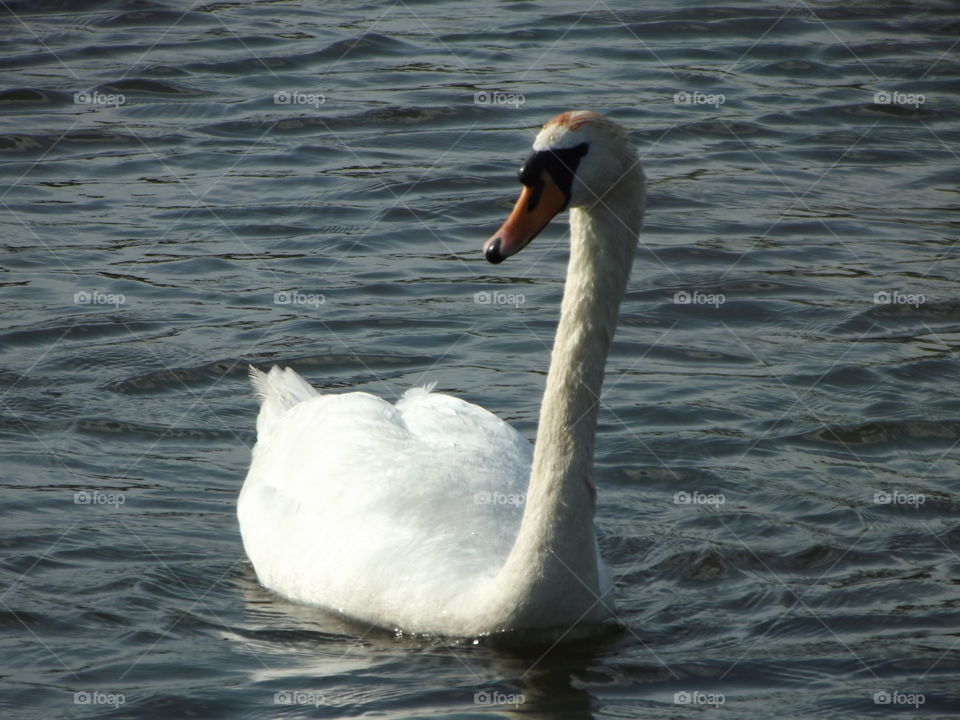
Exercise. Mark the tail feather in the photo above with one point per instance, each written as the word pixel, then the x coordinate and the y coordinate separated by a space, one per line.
pixel 278 391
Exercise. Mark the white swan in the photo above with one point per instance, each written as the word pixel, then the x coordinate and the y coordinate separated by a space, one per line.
pixel 432 515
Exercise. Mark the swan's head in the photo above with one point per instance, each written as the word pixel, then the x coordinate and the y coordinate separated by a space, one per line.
pixel 577 159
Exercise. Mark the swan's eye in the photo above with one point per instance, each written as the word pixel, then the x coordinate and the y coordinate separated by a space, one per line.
pixel 529 172
pixel 561 164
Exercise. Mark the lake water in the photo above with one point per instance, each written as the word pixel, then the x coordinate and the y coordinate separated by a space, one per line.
pixel 187 191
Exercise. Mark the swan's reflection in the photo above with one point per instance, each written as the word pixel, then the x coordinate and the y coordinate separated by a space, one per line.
pixel 544 680
pixel 307 655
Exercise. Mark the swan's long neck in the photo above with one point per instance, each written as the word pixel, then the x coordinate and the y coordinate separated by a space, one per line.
pixel 556 538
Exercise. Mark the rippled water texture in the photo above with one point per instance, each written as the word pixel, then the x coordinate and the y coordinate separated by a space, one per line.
pixel 185 192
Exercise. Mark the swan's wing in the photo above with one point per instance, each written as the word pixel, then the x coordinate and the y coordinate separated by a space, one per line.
pixel 350 499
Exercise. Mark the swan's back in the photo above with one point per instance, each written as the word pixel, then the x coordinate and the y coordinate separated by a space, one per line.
pixel 389 513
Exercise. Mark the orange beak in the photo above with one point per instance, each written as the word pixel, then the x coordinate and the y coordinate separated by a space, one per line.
pixel 537 206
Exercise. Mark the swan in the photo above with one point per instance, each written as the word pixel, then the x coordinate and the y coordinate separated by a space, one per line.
pixel 431 515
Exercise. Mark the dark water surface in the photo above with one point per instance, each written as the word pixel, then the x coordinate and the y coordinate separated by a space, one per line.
pixel 167 170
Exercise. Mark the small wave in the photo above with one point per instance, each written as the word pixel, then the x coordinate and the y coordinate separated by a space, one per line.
pixel 884 434
pixel 180 378
pixel 18 143
pixel 145 86
pixel 155 16
pixel 33 98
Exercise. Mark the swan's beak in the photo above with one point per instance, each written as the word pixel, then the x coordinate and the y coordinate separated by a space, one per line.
pixel 537 206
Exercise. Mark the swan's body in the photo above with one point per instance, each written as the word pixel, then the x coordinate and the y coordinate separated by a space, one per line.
pixel 432 515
